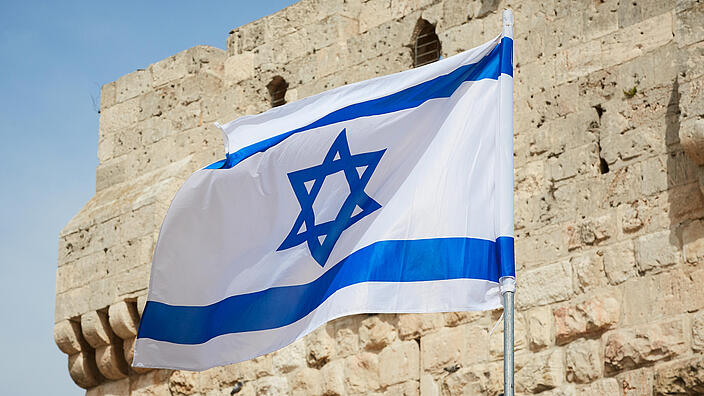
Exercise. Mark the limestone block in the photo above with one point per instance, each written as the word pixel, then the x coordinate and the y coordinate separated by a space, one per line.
pixel 580 161
pixel 183 382
pixel 170 69
pixel 584 362
pixel 680 377
pixel 590 232
pixel 688 26
pixel 657 250
pixel 428 386
pixel 152 383
pixel 83 371
pixel 361 373
pixel 540 328
pixel 629 218
pixel 442 348
pixel 304 382
pixel 111 361
pixel 408 388
pixel 692 139
pixel 68 337
pixel 333 378
pixel 634 12
pixel 271 386
pixel 195 87
pixel 346 334
pixel 698 331
pixel 606 386
pixel 539 372
pixel 320 346
pixel 634 347
pixel 637 382
pixel 335 28
pixel 96 329
pixel 592 315
pixel 412 326
pixel 600 19
pixel 107 95
pixel 119 116
pixel 453 319
pixel 124 319
pixel 462 382
pixel 290 357
pixel 691 106
pixel 332 58
pixel 588 271
pixel 399 362
pixel 111 388
pixel 132 84
pixel 620 262
pixel 376 332
pixel 141 302
pixel 691 62
pixel 454 12
pixel 373 13
pixel 693 242
pixel 624 184
pixel 239 67
pixel 637 39
pixel 579 61
pixel 545 285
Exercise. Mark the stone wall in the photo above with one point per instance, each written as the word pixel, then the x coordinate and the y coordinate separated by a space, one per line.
pixel 609 157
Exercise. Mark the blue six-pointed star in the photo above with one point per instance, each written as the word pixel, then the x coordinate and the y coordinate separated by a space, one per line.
pixel 358 169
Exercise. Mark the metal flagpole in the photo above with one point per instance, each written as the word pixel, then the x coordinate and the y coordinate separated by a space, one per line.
pixel 508 284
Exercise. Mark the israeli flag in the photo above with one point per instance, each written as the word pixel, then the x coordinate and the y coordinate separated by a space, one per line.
pixel 389 195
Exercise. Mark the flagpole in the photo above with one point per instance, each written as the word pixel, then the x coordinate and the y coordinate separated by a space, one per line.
pixel 508 284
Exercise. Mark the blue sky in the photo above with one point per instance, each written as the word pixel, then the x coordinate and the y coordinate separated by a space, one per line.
pixel 54 56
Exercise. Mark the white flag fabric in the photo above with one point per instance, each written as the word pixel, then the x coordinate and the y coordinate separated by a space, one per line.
pixel 389 195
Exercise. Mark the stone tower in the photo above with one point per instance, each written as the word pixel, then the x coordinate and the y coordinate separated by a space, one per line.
pixel 609 148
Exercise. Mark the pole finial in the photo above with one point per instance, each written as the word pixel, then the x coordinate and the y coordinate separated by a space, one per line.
pixel 507 17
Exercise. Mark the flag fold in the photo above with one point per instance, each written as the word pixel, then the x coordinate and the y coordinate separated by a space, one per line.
pixel 389 195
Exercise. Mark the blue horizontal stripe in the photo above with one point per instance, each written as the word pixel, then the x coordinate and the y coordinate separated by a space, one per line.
pixel 497 62
pixel 385 261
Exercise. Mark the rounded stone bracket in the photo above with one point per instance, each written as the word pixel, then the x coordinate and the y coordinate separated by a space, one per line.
pixel 68 337
pixel 111 362
pixel 83 369
pixel 96 329
pixel 124 319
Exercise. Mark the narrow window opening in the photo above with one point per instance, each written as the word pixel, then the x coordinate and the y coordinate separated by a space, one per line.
pixel 427 45
pixel 277 91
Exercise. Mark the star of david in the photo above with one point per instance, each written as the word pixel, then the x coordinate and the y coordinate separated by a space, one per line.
pixel 358 169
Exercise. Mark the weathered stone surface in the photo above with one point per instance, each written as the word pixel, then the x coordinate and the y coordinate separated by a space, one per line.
pixel 657 250
pixel 637 382
pixel 96 328
pixel 83 370
pixel 594 315
pixel 415 325
pixel 693 242
pixel 539 372
pixel 545 285
pixel 584 363
pixel 68 337
pixel 684 377
pixel 541 332
pixel 630 348
pixel 620 262
pixel 361 373
pixel 399 362
pixel 289 358
pixel 698 331
pixel 124 319
pixel 111 361
pixel 376 332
